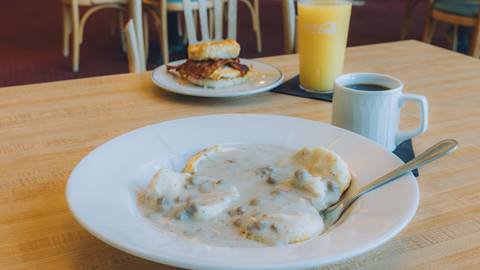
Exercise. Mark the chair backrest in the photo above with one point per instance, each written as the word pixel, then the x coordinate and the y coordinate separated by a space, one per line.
pixel 218 6
pixel 134 60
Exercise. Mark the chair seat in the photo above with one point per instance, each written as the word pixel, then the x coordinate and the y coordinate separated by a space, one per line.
pixel 467 8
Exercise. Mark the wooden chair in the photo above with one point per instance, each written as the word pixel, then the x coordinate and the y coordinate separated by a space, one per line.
pixel 459 12
pixel 74 24
pixel 205 31
pixel 158 9
pixel 135 63
pixel 254 7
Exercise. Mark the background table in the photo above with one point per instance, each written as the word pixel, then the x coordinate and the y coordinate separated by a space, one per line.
pixel 45 129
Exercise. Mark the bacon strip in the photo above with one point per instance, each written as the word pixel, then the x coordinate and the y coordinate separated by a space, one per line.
pixel 244 69
pixel 203 69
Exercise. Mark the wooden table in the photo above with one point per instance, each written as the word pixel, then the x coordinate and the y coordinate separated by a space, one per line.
pixel 45 129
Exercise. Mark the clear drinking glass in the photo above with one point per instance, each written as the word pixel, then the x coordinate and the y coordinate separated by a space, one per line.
pixel 322 40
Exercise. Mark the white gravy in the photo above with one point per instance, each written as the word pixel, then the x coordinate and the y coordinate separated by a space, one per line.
pixel 256 201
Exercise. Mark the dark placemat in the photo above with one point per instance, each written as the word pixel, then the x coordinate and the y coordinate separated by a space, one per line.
pixel 405 152
pixel 292 87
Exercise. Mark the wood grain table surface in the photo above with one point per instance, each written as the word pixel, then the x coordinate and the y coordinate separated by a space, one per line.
pixel 45 129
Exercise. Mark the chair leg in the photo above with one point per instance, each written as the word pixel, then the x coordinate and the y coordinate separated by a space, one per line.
pixel 163 32
pixel 67 29
pixel 430 24
pixel 475 42
pixel 253 7
pixel 433 28
pixel 146 37
pixel 256 23
pixel 121 23
pixel 76 35
pixel 455 38
pixel 179 24
pixel 429 30
pixel 289 23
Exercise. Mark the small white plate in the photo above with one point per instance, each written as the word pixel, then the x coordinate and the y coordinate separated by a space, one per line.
pixel 101 191
pixel 263 77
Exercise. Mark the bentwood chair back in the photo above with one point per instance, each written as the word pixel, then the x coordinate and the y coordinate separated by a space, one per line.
pixel 455 12
pixel 74 22
pixel 135 63
pixel 218 8
pixel 158 10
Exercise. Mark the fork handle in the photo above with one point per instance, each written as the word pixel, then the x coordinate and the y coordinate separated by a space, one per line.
pixel 435 152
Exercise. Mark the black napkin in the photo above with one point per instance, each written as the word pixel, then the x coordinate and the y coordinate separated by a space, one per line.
pixel 405 152
pixel 292 87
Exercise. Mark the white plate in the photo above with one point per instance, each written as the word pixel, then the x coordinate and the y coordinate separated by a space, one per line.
pixel 263 77
pixel 101 191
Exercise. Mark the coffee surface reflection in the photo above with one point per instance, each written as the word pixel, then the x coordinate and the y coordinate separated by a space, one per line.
pixel 367 87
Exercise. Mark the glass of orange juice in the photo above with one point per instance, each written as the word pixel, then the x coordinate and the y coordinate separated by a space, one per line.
pixel 322 40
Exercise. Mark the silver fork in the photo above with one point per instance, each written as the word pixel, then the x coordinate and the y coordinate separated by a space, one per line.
pixel 332 214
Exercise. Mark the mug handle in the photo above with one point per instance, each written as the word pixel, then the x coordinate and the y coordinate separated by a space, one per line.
pixel 423 104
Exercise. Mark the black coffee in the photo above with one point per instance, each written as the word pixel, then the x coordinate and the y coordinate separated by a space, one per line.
pixel 367 87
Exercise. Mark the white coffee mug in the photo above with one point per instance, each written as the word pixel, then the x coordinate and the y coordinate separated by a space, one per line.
pixel 375 114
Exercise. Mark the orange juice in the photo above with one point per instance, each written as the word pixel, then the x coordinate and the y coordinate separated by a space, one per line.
pixel 322 39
